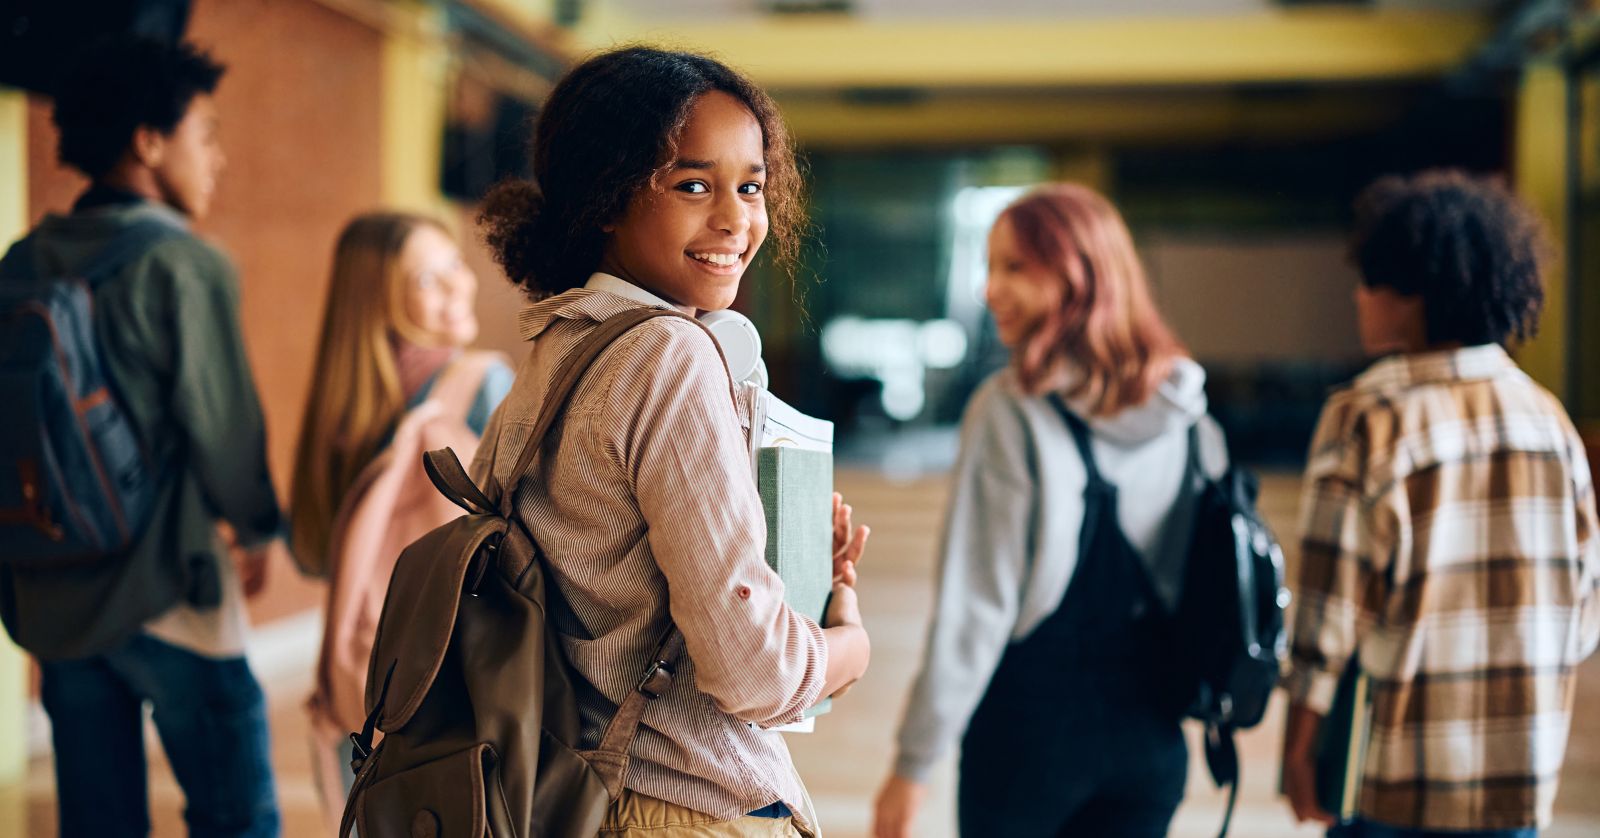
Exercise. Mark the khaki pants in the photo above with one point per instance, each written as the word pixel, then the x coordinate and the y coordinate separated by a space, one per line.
pixel 634 815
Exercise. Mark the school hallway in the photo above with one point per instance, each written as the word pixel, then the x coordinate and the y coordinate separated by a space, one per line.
pixel 844 761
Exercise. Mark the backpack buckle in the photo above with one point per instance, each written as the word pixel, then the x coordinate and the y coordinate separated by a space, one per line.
pixel 358 753
pixel 656 679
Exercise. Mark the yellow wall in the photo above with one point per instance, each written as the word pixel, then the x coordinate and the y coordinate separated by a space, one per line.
pixel 415 66
pixel 13 666
pixel 1540 166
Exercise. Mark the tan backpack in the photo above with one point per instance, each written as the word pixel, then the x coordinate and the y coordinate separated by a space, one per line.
pixel 469 686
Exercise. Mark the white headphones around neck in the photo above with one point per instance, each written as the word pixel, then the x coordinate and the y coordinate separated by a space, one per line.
pixel 741 344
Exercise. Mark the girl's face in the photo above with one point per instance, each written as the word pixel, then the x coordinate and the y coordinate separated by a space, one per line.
pixel 1021 293
pixel 440 290
pixel 689 237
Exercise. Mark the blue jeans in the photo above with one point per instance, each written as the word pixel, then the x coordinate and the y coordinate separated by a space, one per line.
pixel 212 719
pixel 1368 829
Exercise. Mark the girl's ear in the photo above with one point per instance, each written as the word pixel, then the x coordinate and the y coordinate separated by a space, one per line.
pixel 608 229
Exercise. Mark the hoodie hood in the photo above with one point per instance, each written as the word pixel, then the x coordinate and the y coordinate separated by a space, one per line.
pixel 1179 402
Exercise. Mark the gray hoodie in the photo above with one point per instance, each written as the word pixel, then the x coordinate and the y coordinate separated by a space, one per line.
pixel 1010 542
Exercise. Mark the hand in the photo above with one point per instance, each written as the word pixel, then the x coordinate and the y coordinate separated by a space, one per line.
pixel 1300 786
pixel 843 609
pixel 845 612
pixel 896 807
pixel 1300 766
pixel 252 565
pixel 848 544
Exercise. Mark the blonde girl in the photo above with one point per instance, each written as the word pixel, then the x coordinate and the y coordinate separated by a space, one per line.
pixel 392 378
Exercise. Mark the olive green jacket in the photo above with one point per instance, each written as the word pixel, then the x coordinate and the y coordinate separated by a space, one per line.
pixel 169 335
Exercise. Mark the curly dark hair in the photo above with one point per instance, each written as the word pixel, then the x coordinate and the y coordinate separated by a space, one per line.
pixel 1465 244
pixel 605 132
pixel 121 84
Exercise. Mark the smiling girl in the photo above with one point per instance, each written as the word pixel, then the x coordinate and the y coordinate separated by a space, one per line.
pixel 660 175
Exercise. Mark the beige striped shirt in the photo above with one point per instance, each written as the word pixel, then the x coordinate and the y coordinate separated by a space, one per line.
pixel 1449 536
pixel 649 491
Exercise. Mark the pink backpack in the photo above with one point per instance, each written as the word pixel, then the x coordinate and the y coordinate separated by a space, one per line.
pixel 391 504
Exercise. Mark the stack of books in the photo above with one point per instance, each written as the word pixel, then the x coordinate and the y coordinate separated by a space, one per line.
pixel 793 459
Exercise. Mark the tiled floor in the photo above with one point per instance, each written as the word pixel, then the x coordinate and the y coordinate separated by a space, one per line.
pixel 844 761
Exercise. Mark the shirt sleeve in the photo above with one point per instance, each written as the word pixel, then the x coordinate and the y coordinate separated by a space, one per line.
pixel 1588 542
pixel 983 559
pixel 1341 582
pixel 685 455
pixel 214 397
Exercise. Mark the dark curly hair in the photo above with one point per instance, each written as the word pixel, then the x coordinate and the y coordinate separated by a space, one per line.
pixel 121 84
pixel 1469 248
pixel 605 132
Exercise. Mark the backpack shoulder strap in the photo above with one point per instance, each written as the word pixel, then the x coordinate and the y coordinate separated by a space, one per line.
pixel 1081 437
pixel 19 263
pixel 127 245
pixel 610 760
pixel 565 380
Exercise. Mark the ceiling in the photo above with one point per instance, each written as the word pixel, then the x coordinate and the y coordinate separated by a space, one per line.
pixel 919 72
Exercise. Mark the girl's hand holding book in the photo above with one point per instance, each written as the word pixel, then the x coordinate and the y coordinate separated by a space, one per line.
pixel 848 646
pixel 848 543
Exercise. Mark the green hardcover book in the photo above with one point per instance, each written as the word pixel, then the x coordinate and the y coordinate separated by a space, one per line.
pixel 797 494
pixel 796 488
pixel 1342 740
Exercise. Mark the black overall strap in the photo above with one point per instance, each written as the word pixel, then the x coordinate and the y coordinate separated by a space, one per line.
pixel 1081 437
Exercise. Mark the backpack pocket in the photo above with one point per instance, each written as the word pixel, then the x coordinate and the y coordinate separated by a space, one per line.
pixel 445 798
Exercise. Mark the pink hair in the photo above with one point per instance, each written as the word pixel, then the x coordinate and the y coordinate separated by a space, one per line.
pixel 1108 325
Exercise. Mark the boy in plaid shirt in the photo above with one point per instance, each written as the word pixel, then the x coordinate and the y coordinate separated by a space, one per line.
pixel 1448 532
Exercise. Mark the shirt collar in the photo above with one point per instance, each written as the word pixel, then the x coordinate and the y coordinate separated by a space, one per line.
pixel 601 297
pixel 1408 370
pixel 602 281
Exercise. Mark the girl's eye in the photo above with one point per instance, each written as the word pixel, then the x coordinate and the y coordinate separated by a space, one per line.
pixel 693 187
pixel 751 188
pixel 425 282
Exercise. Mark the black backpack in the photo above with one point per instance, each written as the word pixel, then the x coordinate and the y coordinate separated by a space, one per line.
pixel 1229 637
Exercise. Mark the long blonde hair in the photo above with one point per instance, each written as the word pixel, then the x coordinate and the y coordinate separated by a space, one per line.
pixel 356 399
pixel 1108 324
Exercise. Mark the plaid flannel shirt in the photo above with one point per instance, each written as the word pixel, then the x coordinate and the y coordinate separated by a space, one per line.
pixel 1449 537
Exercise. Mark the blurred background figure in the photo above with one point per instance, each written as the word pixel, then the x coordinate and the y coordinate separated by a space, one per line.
pixel 392 381
pixel 1450 550
pixel 158 621
pixel 1232 135
pixel 1073 502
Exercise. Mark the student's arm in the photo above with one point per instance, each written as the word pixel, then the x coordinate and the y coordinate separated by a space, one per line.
pixel 213 395
pixel 1588 541
pixel 1342 561
pixel 983 559
pixel 677 440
